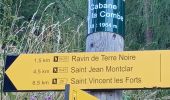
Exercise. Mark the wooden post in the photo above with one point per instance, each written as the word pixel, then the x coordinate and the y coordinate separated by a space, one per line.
pixel 105 42
pixel 105 35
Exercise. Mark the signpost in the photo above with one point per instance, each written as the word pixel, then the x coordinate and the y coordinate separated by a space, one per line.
pixel 106 16
pixel 106 31
pixel 102 70
pixel 73 93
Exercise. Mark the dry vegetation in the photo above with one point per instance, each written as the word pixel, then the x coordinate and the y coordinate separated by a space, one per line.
pixel 66 33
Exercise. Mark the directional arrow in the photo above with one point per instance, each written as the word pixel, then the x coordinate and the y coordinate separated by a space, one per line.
pixel 107 70
pixel 73 93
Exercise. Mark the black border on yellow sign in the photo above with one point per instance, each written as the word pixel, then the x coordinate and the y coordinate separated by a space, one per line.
pixel 8 86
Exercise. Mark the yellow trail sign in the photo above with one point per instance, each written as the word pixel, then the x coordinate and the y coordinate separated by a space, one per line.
pixel 73 93
pixel 102 70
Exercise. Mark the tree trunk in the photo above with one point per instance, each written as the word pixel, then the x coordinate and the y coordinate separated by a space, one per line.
pixel 149 30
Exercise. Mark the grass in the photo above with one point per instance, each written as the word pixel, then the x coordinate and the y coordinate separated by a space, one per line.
pixel 37 36
pixel 45 35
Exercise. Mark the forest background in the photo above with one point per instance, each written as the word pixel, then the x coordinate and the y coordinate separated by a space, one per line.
pixel 49 26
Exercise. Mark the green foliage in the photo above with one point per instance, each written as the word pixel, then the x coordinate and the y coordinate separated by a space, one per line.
pixel 38 26
pixel 144 14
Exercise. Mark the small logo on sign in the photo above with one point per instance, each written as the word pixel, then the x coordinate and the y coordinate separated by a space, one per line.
pixel 55 58
pixel 55 70
pixel 62 81
pixel 54 81
pixel 61 58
